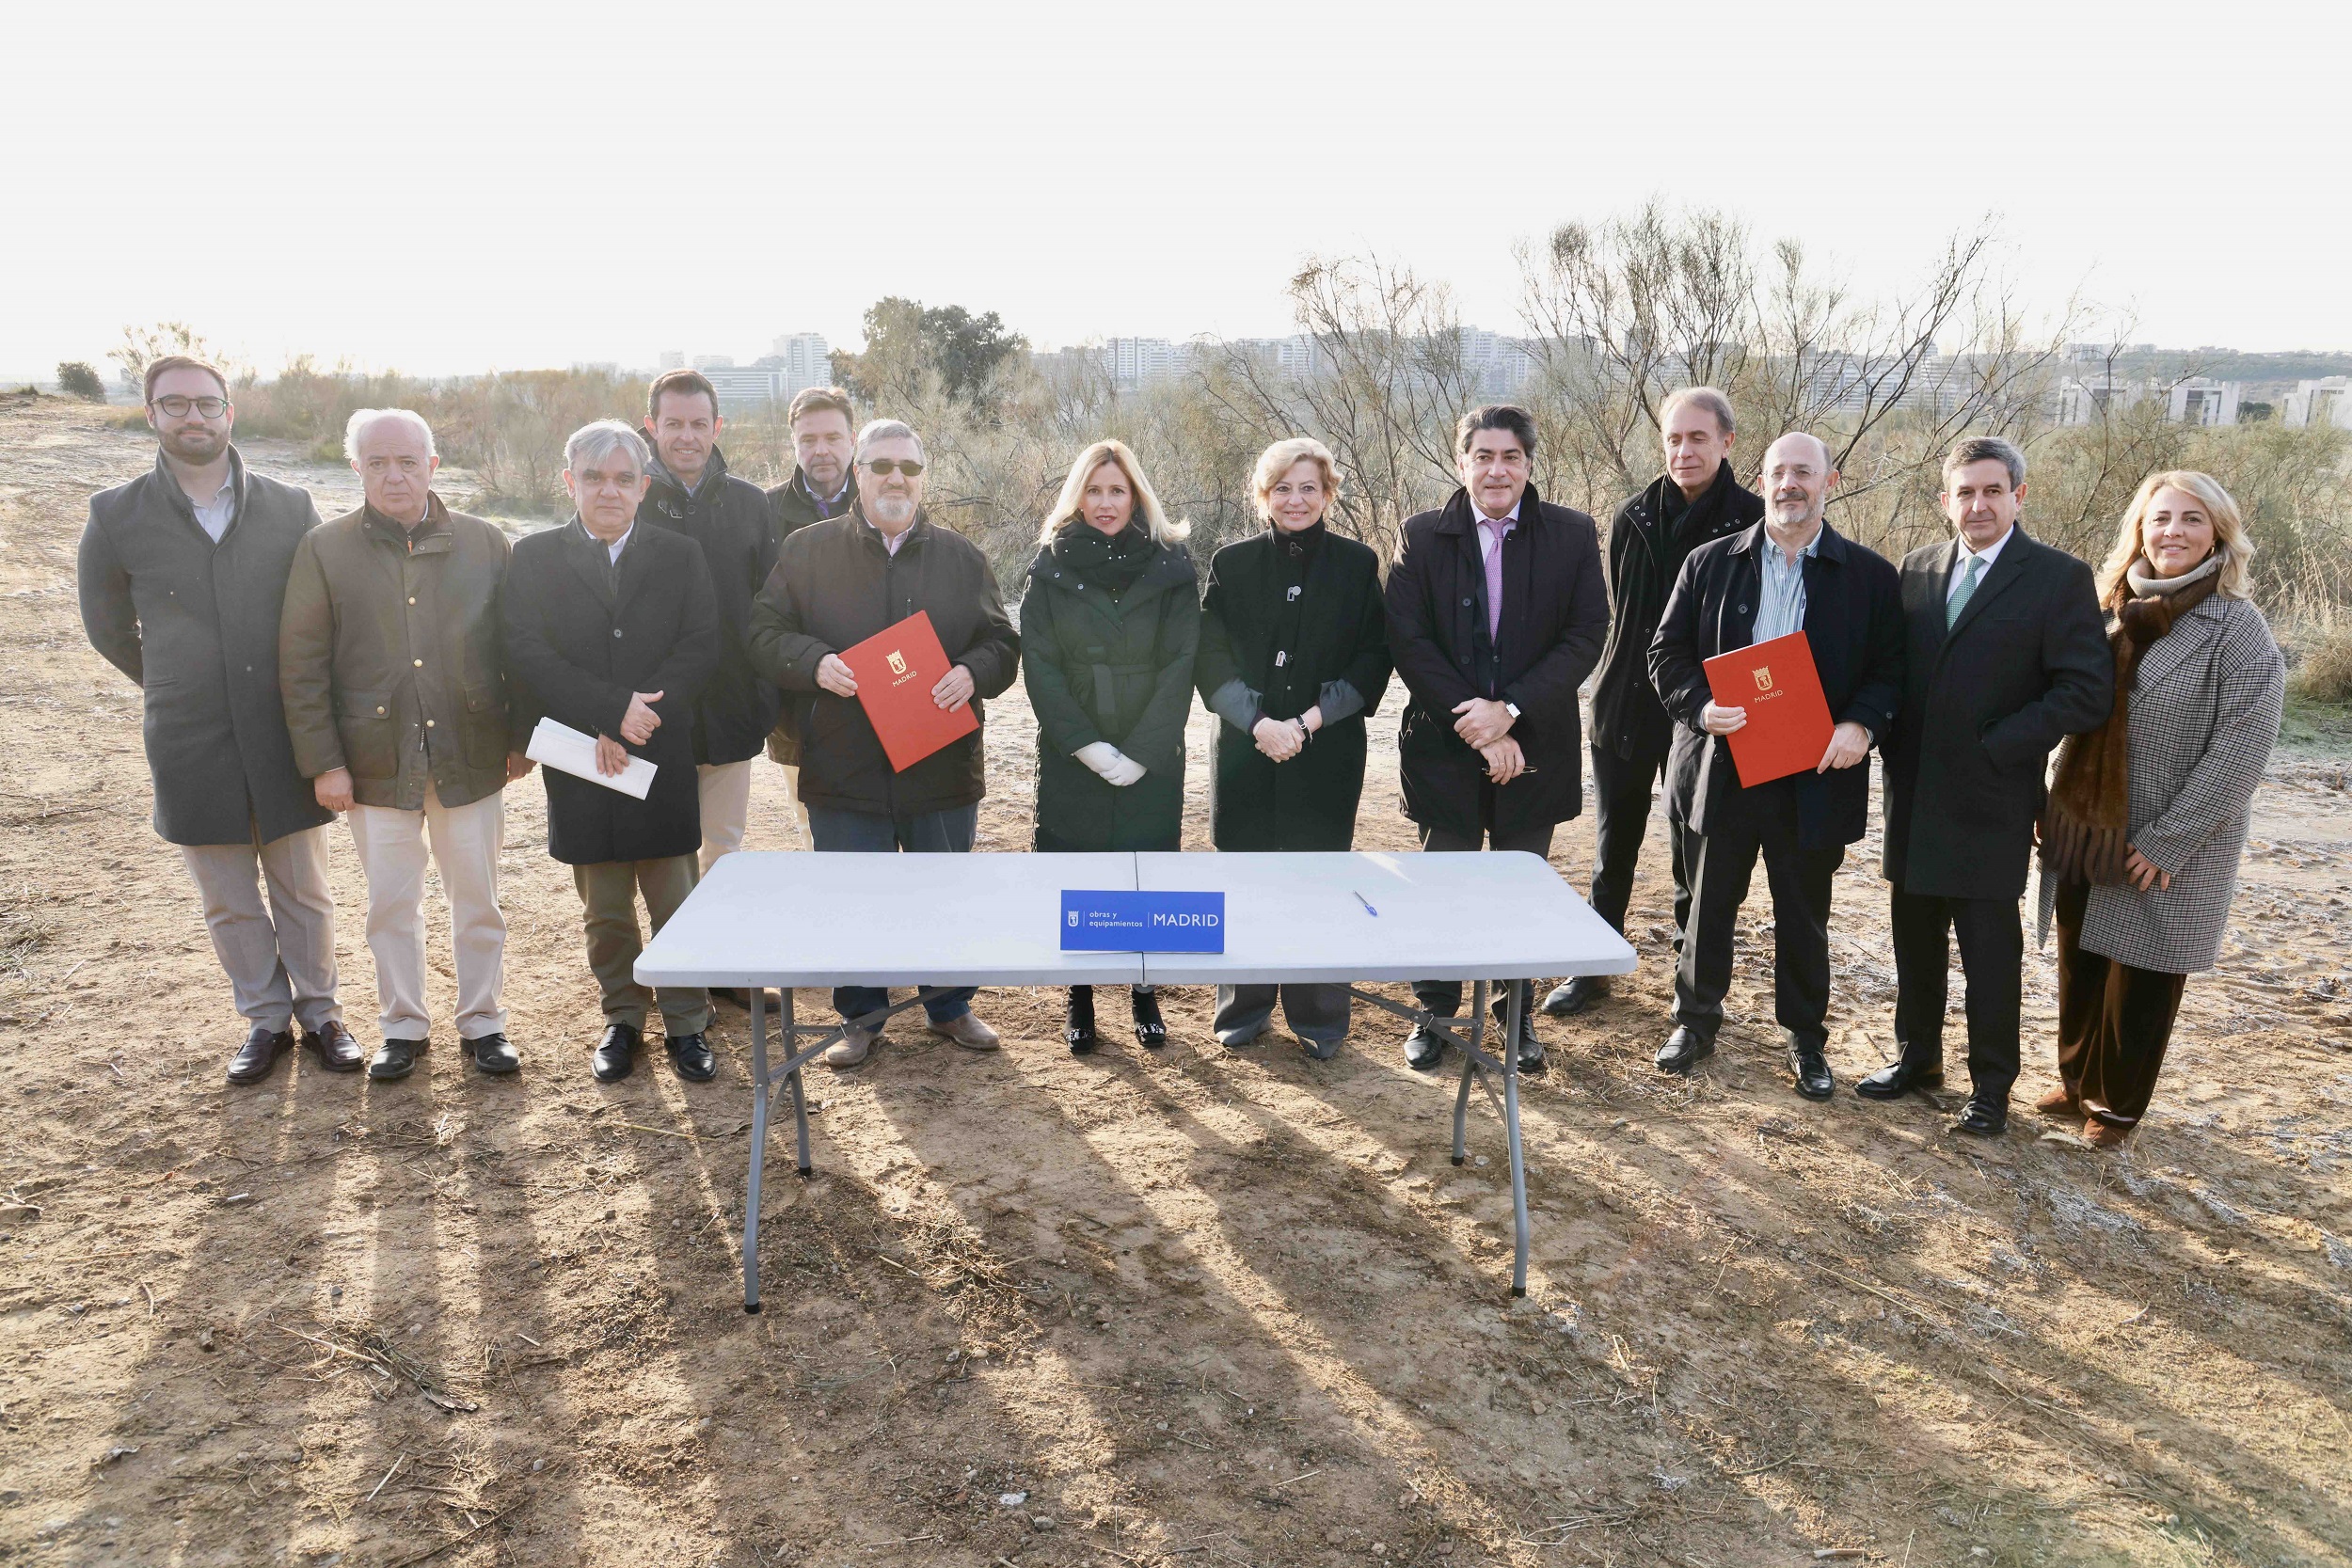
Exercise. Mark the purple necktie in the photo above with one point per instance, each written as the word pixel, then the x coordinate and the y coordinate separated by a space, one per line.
pixel 1494 576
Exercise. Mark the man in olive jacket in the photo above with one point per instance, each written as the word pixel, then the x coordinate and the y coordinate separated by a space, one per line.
pixel 393 674
pixel 1496 615
pixel 1696 500
pixel 835 584
pixel 2006 654
pixel 612 632
pixel 182 574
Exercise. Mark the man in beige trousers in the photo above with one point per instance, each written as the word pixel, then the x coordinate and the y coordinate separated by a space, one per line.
pixel 392 671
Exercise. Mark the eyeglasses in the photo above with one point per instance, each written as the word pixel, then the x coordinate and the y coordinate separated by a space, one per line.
pixel 881 468
pixel 176 408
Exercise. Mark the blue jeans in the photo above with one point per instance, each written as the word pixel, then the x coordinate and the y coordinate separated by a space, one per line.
pixel 858 832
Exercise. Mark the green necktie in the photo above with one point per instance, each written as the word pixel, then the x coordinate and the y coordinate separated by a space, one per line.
pixel 1967 586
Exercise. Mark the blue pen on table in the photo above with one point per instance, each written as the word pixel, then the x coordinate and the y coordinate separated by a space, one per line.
pixel 1367 904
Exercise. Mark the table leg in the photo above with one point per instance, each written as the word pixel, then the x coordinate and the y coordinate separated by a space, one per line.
pixel 800 1089
pixel 1511 1120
pixel 1470 1070
pixel 759 1142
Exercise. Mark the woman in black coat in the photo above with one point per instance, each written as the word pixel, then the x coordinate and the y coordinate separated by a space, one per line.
pixel 1293 658
pixel 1108 628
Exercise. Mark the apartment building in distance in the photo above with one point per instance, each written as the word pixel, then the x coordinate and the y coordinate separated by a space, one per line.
pixel 2324 401
pixel 794 362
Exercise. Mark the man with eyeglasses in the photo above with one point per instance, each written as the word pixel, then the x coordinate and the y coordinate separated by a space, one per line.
pixel 835 584
pixel 182 575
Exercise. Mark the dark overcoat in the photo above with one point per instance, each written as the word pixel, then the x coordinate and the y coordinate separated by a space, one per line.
pixel 835 584
pixel 1265 654
pixel 791 508
pixel 1853 624
pixel 195 626
pixel 1555 613
pixel 581 640
pixel 1115 668
pixel 2026 664
pixel 731 520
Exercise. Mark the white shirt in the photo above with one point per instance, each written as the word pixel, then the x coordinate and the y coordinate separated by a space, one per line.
pixel 1960 562
pixel 1489 535
pixel 214 514
pixel 612 551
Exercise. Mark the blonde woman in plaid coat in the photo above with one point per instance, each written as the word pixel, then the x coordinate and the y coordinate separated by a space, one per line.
pixel 2146 827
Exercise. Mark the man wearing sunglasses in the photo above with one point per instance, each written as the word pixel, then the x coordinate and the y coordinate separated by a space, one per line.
pixel 835 584
pixel 182 575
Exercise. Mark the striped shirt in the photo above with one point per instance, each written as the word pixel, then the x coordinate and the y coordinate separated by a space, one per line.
pixel 1782 610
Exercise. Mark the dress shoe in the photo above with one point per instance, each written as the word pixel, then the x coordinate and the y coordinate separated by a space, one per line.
pixel 258 1054
pixel 738 997
pixel 1898 1079
pixel 1531 1050
pixel 852 1048
pixel 616 1053
pixel 966 1030
pixel 1809 1064
pixel 1078 1024
pixel 2060 1104
pixel 1424 1047
pixel 1983 1119
pixel 1320 1051
pixel 494 1054
pixel 1685 1049
pixel 395 1058
pixel 692 1056
pixel 2104 1134
pixel 332 1044
pixel 1151 1029
pixel 1576 995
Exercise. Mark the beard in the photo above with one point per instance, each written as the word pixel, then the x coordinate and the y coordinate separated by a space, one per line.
pixel 897 511
pixel 196 443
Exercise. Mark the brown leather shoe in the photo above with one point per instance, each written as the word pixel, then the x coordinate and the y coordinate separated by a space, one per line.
pixel 334 1047
pixel 2100 1134
pixel 258 1054
pixel 2060 1102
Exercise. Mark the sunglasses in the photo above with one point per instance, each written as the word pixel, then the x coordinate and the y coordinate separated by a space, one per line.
pixel 177 407
pixel 881 468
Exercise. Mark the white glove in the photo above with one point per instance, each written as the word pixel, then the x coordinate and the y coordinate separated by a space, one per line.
pixel 1100 756
pixel 1123 772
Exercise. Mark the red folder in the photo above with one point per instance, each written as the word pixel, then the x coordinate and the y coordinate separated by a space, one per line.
pixel 895 670
pixel 1788 725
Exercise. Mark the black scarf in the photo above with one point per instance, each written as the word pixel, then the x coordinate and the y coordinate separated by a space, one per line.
pixel 1109 561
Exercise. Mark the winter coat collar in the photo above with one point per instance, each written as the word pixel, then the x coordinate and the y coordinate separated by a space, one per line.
pixel 1831 545
pixel 430 537
pixel 1171 563
pixel 714 476
pixel 178 501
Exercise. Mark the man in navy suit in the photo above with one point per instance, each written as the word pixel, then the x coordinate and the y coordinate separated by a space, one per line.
pixel 1789 572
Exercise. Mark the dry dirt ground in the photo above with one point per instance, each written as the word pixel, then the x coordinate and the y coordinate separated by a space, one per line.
pixel 1196 1307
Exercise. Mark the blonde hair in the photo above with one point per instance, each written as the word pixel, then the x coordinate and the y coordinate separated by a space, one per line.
pixel 1280 458
pixel 1074 492
pixel 2229 533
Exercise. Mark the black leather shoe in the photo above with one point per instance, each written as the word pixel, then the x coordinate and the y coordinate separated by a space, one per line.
pixel 1981 1119
pixel 494 1054
pixel 258 1054
pixel 1531 1048
pixel 1898 1079
pixel 1810 1064
pixel 1425 1048
pixel 395 1058
pixel 1684 1049
pixel 334 1047
pixel 1576 995
pixel 1151 1029
pixel 692 1057
pixel 616 1053
pixel 1077 1028
pixel 738 997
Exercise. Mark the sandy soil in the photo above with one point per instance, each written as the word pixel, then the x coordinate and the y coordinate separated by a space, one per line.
pixel 1191 1308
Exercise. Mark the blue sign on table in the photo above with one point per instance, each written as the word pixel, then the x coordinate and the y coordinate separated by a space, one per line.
pixel 1112 921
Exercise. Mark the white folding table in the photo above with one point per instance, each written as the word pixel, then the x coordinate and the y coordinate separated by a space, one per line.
pixel 764 918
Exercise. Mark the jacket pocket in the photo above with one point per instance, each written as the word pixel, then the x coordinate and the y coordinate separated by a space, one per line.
pixel 482 728
pixel 371 734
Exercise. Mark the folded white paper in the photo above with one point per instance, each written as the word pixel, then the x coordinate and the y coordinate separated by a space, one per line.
pixel 567 750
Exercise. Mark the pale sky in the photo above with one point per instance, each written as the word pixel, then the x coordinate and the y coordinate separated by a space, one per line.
pixel 440 189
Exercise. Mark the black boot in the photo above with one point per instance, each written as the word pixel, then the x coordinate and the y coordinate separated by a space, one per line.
pixel 1078 1028
pixel 1151 1029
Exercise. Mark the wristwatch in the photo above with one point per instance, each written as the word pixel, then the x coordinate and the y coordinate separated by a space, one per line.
pixel 1511 708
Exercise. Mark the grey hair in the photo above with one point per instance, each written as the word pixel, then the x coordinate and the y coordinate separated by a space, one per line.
pixel 366 418
pixel 593 442
pixel 887 430
pixel 1986 449
pixel 1706 397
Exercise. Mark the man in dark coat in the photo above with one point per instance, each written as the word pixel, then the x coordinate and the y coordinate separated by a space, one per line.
pixel 1791 573
pixel 1693 501
pixel 1496 614
pixel 182 574
pixel 694 493
pixel 823 486
pixel 613 631
pixel 2006 653
pixel 837 583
